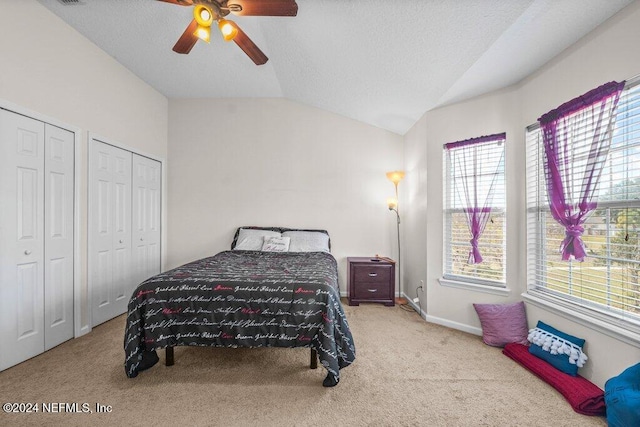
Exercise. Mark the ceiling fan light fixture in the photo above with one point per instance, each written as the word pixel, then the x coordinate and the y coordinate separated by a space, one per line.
pixel 203 33
pixel 203 15
pixel 228 29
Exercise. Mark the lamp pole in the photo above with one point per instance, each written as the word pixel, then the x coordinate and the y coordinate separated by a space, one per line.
pixel 396 177
pixel 399 265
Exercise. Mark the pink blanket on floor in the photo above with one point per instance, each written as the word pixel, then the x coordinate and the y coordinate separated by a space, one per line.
pixel 583 396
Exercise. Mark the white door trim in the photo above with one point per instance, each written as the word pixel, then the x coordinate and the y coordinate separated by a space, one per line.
pixel 78 328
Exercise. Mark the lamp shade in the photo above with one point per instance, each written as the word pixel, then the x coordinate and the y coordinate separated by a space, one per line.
pixel 228 29
pixel 203 15
pixel 392 203
pixel 395 176
pixel 203 33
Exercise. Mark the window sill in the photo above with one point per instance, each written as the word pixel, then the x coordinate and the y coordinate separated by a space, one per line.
pixel 495 290
pixel 570 312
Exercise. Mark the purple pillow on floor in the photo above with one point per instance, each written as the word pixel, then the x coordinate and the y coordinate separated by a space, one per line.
pixel 503 323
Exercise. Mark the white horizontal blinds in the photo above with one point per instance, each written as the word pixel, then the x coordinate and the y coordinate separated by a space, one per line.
pixel 474 179
pixel 608 281
pixel 537 206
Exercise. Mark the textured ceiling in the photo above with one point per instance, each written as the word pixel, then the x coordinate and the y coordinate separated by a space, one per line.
pixel 384 63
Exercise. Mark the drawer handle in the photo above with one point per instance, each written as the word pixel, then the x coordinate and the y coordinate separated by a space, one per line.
pixel 372 290
pixel 373 274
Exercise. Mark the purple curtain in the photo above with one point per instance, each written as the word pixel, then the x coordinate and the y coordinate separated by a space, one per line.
pixel 474 184
pixel 576 138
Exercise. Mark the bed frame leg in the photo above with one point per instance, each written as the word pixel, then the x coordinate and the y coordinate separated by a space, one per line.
pixel 168 356
pixel 314 359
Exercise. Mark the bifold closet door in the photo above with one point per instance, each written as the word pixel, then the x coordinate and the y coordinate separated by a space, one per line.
pixel 110 263
pixel 21 238
pixel 58 235
pixel 146 218
pixel 36 237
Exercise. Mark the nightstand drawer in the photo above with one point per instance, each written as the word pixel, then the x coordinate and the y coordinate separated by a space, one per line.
pixel 372 273
pixel 371 280
pixel 371 290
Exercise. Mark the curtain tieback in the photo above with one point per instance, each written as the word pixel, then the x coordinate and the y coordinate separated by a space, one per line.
pixel 573 244
pixel 474 253
pixel 574 230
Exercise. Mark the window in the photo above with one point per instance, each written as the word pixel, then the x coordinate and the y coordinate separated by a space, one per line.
pixel 474 211
pixel 606 285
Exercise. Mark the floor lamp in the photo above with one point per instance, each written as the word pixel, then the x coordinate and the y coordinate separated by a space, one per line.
pixel 392 203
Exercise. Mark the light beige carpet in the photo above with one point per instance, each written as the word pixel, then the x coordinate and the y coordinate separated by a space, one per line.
pixel 407 373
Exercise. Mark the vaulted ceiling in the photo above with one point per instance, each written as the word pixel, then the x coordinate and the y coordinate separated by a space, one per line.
pixel 381 62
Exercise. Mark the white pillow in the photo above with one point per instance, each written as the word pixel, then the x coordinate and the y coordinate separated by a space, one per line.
pixel 276 244
pixel 251 240
pixel 308 241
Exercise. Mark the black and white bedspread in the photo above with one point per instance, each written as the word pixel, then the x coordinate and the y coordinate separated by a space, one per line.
pixel 241 299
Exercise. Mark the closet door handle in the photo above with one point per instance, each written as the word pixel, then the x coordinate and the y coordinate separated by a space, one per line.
pixel 142 239
pixel 27 252
pixel 121 241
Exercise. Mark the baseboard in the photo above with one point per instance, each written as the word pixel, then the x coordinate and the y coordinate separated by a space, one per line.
pixel 439 320
pixel 445 322
pixel 454 325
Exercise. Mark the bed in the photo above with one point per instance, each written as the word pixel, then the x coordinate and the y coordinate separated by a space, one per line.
pixel 258 294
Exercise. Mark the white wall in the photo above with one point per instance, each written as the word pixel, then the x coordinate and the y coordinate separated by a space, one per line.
pixel 414 195
pixel 46 67
pixel 608 53
pixel 273 162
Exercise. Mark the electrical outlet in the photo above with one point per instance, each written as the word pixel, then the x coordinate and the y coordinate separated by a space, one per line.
pixel 417 299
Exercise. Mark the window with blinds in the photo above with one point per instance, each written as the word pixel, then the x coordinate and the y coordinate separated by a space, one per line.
pixel 474 170
pixel 606 285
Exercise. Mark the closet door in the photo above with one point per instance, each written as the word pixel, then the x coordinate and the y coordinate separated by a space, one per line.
pixel 110 275
pixel 21 238
pixel 146 218
pixel 58 235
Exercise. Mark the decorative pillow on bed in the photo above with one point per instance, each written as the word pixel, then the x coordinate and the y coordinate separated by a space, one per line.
pixel 275 244
pixel 252 239
pixel 561 350
pixel 503 323
pixel 308 241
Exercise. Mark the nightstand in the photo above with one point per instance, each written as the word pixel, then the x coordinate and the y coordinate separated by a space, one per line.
pixel 371 280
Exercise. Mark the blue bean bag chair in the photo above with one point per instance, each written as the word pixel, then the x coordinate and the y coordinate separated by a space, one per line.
pixel 622 398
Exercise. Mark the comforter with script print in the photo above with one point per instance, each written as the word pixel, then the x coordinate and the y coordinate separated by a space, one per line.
pixel 241 299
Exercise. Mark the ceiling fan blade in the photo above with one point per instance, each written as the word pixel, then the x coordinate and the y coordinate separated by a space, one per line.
pixel 249 47
pixel 187 40
pixel 264 7
pixel 179 2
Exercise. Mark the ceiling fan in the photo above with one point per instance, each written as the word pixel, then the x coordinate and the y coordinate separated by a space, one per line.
pixel 205 12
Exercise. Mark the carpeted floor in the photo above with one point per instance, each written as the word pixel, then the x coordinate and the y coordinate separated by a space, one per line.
pixel 407 373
